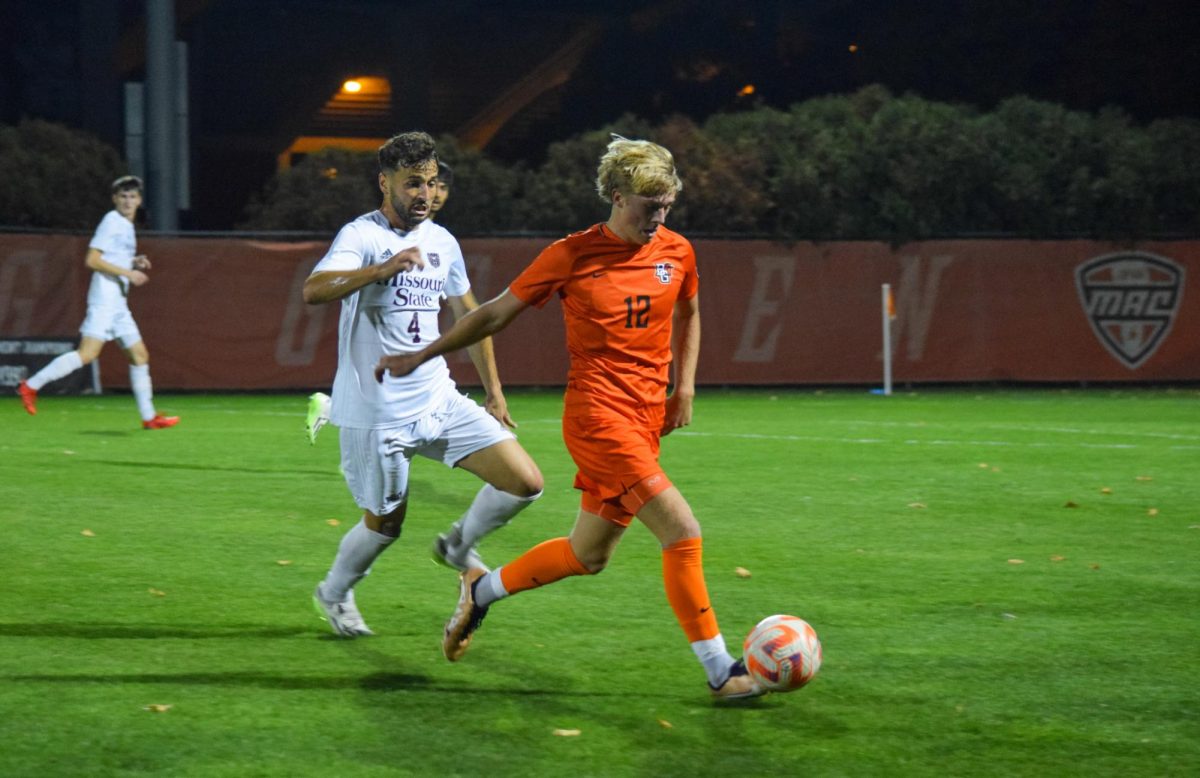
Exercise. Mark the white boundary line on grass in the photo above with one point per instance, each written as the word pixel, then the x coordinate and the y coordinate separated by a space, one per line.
pixel 914 442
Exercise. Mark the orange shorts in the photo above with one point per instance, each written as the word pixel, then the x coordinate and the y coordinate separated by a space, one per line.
pixel 617 456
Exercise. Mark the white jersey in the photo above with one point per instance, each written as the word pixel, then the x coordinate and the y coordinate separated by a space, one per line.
pixel 117 242
pixel 394 316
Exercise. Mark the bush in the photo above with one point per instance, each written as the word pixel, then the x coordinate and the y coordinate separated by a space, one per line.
pixel 55 176
pixel 320 193
pixel 868 165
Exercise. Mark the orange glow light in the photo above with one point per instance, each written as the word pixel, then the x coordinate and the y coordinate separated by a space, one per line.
pixel 747 90
pixel 853 47
pixel 352 86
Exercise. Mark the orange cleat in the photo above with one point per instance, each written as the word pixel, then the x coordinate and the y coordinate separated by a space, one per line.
pixel 28 397
pixel 160 422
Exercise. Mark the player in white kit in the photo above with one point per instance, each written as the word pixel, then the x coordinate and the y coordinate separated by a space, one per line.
pixel 320 405
pixel 112 256
pixel 391 269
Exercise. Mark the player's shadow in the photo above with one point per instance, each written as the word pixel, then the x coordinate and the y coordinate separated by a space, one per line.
pixel 146 631
pixel 396 682
pixel 217 468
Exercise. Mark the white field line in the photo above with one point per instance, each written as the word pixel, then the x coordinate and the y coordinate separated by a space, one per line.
pixel 931 442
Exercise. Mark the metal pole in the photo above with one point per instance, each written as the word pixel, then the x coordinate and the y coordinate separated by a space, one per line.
pixel 162 165
pixel 887 338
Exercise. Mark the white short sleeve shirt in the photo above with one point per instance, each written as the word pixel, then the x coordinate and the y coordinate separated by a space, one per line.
pixel 394 316
pixel 116 240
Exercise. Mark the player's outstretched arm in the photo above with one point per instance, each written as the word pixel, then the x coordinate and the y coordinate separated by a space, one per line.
pixel 486 320
pixel 483 356
pixel 330 285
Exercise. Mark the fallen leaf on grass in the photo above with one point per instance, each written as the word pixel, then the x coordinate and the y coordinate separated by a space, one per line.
pixel 1016 561
pixel 983 465
pixel 1105 490
pixel 1144 478
pixel 158 708
pixel 568 732
pixel 917 505
pixel 1057 558
pixel 1070 504
pixel 157 592
pixel 283 562
pixel 1094 566
pixel 741 572
pixel 665 724
pixel 333 522
pixel 87 533
pixel 68 451
pixel 1152 512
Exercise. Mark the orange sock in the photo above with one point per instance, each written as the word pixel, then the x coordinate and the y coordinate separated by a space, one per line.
pixel 683 577
pixel 543 564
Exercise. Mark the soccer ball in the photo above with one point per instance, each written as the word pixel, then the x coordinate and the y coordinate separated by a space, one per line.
pixel 782 653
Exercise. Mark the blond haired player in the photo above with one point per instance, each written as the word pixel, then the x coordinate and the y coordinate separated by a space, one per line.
pixel 628 289
pixel 391 269
pixel 115 264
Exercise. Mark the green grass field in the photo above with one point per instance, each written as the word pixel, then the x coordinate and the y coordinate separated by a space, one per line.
pixel 1006 583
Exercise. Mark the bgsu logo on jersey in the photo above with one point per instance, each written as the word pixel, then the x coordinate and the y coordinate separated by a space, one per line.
pixel 662 270
pixel 1130 300
pixel 433 259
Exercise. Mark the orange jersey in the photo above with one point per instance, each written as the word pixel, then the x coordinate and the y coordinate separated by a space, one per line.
pixel 618 301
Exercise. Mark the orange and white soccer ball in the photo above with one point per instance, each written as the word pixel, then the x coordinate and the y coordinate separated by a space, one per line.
pixel 782 653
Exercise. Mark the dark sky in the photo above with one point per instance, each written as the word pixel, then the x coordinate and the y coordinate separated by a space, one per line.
pixel 65 60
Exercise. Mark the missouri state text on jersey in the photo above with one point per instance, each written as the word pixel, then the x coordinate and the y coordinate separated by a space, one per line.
pixel 394 316
pixel 416 289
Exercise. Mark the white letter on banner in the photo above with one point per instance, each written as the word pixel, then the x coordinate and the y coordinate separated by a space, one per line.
pixel 16 313
pixel 286 354
pixel 770 273
pixel 915 301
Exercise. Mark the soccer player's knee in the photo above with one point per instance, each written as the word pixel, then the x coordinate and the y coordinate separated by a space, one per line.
pixel 390 526
pixel 531 489
pixel 530 483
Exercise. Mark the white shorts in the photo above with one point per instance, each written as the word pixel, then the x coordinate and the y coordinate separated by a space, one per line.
pixel 109 323
pixel 376 461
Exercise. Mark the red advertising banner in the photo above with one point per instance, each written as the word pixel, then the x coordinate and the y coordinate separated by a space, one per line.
pixel 226 313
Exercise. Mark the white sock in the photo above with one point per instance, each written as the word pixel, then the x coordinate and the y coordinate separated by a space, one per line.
pixel 489 588
pixel 357 551
pixel 62 365
pixel 139 381
pixel 490 510
pixel 715 658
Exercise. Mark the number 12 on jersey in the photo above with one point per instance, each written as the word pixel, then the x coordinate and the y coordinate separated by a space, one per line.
pixel 637 312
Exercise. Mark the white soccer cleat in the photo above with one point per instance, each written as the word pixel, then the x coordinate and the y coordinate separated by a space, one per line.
pixel 739 685
pixel 456 557
pixel 319 404
pixel 343 617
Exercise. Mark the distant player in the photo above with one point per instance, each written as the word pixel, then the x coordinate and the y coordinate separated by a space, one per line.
pixel 392 268
pixel 112 256
pixel 319 403
pixel 628 289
